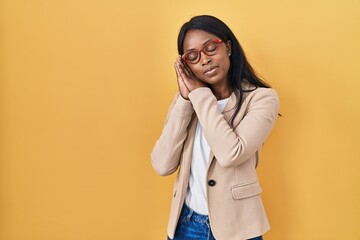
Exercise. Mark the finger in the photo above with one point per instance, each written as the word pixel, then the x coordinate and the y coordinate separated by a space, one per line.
pixel 180 79
pixel 186 76
pixel 179 74
pixel 184 71
pixel 188 70
pixel 176 71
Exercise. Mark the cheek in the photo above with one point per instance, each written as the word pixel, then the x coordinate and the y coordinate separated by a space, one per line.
pixel 226 65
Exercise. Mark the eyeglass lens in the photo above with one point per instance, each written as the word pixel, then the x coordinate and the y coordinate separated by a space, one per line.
pixel 209 49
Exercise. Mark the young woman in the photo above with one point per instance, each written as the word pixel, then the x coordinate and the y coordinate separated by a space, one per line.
pixel 213 133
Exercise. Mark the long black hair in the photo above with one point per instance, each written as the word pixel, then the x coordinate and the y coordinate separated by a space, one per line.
pixel 240 70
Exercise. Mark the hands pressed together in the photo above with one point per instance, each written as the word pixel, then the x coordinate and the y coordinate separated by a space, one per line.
pixel 186 79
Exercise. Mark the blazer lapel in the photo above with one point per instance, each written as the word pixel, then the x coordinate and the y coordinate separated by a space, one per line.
pixel 230 106
pixel 188 148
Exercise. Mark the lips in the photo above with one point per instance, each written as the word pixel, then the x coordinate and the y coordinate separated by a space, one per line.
pixel 210 70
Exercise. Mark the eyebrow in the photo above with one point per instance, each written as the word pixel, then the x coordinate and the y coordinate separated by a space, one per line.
pixel 191 49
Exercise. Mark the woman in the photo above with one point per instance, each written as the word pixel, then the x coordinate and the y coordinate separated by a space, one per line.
pixel 213 133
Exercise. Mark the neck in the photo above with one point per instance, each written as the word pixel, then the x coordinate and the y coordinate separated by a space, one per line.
pixel 221 92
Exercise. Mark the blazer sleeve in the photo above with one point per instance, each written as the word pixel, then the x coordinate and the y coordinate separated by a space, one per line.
pixel 232 147
pixel 165 157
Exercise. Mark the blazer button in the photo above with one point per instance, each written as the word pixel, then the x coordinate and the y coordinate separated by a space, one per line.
pixel 211 183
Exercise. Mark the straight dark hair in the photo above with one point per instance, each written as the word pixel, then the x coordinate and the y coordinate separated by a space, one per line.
pixel 240 70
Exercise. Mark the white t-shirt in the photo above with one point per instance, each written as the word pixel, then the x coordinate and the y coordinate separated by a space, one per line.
pixel 196 197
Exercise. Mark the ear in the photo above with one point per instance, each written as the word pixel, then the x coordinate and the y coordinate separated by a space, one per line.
pixel 228 47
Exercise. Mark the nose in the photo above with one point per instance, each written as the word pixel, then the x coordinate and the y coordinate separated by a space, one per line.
pixel 204 59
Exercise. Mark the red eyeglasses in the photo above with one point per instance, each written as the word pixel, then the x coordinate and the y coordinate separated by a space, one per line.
pixel 208 49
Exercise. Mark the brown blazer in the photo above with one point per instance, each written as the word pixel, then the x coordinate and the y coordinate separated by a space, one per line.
pixel 235 208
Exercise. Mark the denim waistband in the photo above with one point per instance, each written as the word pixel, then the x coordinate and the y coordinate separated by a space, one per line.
pixel 191 214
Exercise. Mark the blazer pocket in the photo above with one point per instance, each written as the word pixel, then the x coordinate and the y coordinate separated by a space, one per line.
pixel 246 190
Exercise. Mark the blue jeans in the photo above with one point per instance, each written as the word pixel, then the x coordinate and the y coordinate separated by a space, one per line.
pixel 194 226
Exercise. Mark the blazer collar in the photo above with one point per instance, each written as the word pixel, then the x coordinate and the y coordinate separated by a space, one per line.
pixel 231 104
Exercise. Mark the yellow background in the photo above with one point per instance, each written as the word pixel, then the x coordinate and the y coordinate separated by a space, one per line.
pixel 85 86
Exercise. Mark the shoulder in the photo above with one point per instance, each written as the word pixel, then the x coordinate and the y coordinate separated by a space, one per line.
pixel 261 100
pixel 253 92
pixel 262 92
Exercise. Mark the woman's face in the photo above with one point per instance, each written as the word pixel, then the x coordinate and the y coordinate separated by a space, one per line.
pixel 213 69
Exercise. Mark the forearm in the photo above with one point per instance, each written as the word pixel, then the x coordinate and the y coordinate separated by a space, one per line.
pixel 166 154
pixel 231 147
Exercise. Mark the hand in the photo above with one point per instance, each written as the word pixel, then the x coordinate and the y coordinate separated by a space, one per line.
pixel 186 79
pixel 184 91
